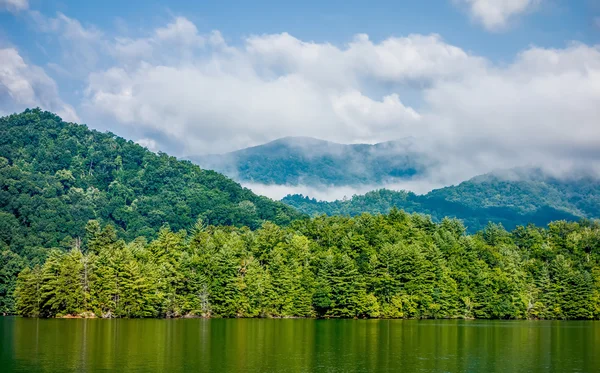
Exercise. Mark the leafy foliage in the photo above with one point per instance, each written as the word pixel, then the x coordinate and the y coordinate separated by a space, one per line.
pixel 384 266
pixel 55 176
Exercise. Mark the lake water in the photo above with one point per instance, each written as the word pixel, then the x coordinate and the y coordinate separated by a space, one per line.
pixel 254 345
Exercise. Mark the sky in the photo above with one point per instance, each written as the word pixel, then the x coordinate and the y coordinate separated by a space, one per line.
pixel 481 84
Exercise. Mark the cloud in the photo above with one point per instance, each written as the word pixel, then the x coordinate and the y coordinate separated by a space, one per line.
pixel 69 28
pixel 541 107
pixel 217 97
pixel 421 185
pixel 14 5
pixel 149 144
pixel 495 15
pixel 474 116
pixel 81 47
pixel 23 85
pixel 180 31
pixel 414 58
pixel 193 92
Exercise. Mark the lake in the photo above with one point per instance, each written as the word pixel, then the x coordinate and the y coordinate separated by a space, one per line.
pixel 262 345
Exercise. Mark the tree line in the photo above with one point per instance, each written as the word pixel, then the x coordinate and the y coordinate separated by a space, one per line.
pixel 396 265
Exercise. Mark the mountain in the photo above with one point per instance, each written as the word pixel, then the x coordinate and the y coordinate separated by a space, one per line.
pixel 55 176
pixel 308 161
pixel 515 197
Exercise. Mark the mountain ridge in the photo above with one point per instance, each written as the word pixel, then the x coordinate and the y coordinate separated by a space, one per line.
pixel 307 160
pixel 484 198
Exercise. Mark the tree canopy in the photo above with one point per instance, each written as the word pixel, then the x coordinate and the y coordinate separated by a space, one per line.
pixel 384 266
pixel 55 176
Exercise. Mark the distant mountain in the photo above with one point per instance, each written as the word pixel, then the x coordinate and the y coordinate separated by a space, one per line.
pixel 309 161
pixel 515 197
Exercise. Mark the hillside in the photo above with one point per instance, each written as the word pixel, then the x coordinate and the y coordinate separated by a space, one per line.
pixel 308 161
pixel 524 197
pixel 55 176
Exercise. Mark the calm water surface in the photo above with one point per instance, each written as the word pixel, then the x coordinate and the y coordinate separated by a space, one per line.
pixel 34 345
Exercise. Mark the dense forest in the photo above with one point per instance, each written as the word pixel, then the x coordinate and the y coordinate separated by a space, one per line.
pixel 56 176
pixel 95 225
pixel 309 161
pixel 386 266
pixel 527 196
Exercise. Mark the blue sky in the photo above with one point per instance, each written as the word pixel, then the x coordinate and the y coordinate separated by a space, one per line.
pixel 556 23
pixel 484 83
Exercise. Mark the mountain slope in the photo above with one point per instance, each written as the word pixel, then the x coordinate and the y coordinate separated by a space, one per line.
pixel 55 176
pixel 308 161
pixel 527 196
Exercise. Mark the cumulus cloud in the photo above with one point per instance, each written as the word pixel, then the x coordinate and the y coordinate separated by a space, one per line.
pixel 495 15
pixel 540 109
pixel 24 85
pixel 14 5
pixel 181 31
pixel 217 97
pixel 190 93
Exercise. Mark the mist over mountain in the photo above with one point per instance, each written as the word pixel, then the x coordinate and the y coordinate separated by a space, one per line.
pixel 511 197
pixel 308 161
pixel 315 176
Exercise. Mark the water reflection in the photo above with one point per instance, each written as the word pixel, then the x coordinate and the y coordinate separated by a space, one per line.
pixel 298 345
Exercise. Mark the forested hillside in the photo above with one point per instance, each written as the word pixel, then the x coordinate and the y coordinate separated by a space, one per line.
pixel 99 226
pixel 56 176
pixel 390 266
pixel 308 161
pixel 527 197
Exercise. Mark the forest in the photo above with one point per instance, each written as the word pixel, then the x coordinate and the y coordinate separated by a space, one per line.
pixel 527 196
pixel 371 266
pixel 93 225
pixel 56 176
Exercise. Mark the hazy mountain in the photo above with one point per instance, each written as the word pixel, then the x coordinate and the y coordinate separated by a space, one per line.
pixel 309 161
pixel 515 197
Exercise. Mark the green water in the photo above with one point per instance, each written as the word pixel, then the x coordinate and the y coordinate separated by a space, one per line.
pixel 250 345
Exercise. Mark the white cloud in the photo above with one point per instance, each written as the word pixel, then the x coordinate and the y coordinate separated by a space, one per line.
pixel 181 30
pixel 495 15
pixel 396 59
pixel 216 97
pixel 193 93
pixel 149 144
pixel 332 193
pixel 14 5
pixel 81 46
pixel 23 85
pixel 475 115
pixel 69 28
pixel 383 117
